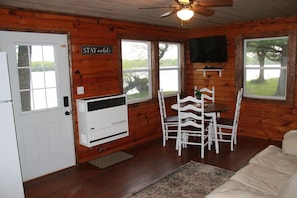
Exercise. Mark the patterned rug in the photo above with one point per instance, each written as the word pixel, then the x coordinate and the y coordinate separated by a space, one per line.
pixel 193 179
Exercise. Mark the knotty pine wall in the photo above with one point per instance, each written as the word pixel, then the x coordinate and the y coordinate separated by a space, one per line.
pixel 101 74
pixel 268 120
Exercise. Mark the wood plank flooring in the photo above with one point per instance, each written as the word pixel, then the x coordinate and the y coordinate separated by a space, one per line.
pixel 151 162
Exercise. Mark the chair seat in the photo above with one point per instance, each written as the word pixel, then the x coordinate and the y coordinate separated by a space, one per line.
pixel 171 119
pixel 225 121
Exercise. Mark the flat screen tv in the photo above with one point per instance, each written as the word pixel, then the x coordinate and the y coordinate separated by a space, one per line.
pixel 208 49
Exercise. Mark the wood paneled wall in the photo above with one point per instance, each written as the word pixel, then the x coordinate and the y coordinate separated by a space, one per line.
pixel 101 74
pixel 258 118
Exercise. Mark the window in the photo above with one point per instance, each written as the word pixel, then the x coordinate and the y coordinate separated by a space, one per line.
pixel 169 67
pixel 148 66
pixel 136 67
pixel 37 76
pixel 266 68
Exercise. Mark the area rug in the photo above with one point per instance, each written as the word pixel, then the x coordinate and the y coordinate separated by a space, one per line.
pixel 193 179
pixel 111 159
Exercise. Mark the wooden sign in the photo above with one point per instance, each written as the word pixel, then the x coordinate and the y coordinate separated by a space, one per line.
pixel 96 49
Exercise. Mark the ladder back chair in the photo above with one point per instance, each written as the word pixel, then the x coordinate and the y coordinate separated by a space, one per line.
pixel 209 94
pixel 169 123
pixel 191 125
pixel 227 127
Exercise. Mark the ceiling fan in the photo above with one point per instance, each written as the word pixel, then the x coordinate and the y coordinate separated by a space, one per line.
pixel 185 9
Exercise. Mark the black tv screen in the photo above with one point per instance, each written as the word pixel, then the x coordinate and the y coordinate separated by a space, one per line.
pixel 208 49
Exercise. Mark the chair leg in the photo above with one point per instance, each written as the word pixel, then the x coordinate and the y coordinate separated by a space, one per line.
pixel 209 140
pixel 179 150
pixel 179 143
pixel 215 133
pixel 231 142
pixel 235 137
pixel 164 130
pixel 164 138
pixel 202 147
pixel 185 138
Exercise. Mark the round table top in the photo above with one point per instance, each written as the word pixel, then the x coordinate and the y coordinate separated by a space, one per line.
pixel 216 107
pixel 210 107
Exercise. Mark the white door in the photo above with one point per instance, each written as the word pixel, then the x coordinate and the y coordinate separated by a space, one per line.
pixel 39 76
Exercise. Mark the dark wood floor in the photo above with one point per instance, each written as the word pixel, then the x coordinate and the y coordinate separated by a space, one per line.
pixel 151 162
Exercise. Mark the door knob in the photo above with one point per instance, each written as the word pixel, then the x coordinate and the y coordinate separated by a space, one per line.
pixel 67 113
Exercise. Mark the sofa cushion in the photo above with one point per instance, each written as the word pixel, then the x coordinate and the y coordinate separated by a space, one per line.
pixel 261 178
pixel 235 194
pixel 237 189
pixel 289 144
pixel 272 157
pixel 290 188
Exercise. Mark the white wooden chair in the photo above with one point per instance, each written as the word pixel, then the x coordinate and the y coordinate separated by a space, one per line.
pixel 209 94
pixel 227 127
pixel 191 125
pixel 169 123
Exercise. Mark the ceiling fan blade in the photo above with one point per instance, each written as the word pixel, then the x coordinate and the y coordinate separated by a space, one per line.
pixel 168 13
pixel 158 7
pixel 203 11
pixel 215 3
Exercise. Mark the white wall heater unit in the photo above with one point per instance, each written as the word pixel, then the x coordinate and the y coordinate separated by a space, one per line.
pixel 102 119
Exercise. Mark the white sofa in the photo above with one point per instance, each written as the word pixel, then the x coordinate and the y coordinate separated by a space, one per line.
pixel 271 173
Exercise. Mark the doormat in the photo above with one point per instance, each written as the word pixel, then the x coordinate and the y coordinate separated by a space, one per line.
pixel 111 159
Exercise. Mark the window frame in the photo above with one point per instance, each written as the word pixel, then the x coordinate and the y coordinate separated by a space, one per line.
pixel 171 69
pixel 42 86
pixel 154 64
pixel 266 68
pixel 239 64
pixel 148 70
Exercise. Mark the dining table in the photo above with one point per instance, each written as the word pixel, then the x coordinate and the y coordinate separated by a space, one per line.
pixel 211 107
pixel 211 110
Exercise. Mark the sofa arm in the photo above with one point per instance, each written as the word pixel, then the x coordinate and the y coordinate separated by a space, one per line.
pixel 289 144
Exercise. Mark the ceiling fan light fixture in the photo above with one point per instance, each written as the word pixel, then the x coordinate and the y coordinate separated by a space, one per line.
pixel 185 14
pixel 184 2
